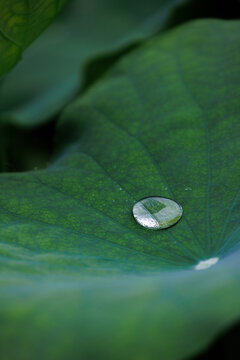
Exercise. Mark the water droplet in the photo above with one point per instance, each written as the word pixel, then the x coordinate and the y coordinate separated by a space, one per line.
pixel 157 212
pixel 120 189
pixel 188 188
pixel 205 264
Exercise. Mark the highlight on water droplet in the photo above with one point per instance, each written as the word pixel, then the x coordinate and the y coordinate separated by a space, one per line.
pixel 205 264
pixel 157 212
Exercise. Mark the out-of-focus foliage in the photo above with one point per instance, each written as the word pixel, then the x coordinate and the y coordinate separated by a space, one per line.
pixel 21 22
pixel 53 68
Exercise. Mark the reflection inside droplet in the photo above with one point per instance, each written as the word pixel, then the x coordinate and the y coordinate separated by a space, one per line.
pixel 205 264
pixel 157 212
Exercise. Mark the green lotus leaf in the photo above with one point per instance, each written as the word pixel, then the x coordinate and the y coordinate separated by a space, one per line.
pixel 80 278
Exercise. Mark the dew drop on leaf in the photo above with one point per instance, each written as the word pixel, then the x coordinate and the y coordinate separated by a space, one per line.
pixel 157 212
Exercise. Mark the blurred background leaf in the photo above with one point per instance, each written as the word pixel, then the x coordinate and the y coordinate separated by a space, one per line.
pixel 21 22
pixel 52 70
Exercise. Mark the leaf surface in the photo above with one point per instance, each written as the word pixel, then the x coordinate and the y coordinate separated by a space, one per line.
pixel 80 278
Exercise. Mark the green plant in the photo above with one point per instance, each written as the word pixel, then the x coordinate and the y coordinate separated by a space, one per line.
pixel 154 112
